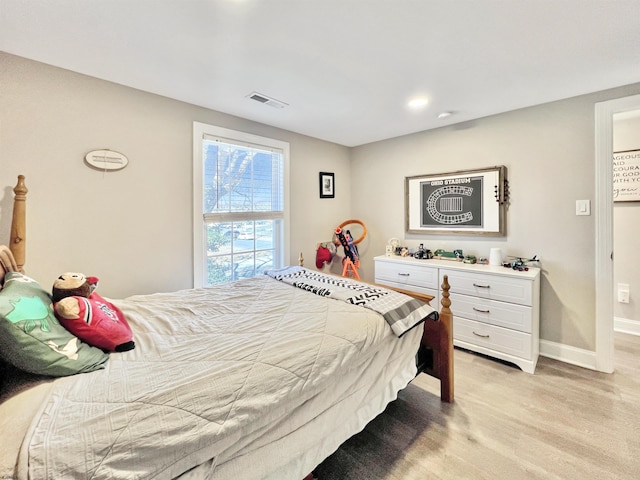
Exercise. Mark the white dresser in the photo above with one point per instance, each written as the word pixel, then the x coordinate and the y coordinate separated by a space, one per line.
pixel 496 310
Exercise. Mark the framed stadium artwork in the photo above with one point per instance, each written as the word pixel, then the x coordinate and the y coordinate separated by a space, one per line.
pixel 470 202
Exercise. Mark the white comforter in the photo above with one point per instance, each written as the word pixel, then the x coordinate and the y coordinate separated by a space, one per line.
pixel 218 375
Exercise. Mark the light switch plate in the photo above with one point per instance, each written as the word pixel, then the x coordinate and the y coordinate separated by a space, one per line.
pixel 623 292
pixel 583 207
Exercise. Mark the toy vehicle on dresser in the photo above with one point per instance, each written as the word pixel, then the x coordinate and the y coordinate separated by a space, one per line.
pixel 520 263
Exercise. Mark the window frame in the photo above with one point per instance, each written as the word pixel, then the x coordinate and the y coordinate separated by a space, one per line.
pixel 199 221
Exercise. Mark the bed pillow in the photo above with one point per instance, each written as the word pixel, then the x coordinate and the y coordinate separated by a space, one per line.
pixel 32 339
pixel 96 321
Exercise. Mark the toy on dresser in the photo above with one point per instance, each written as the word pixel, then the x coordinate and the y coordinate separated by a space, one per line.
pixel 88 316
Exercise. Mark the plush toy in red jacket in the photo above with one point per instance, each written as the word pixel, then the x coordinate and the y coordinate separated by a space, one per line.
pixel 88 316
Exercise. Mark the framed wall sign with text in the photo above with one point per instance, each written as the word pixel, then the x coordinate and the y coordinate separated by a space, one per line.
pixel 626 176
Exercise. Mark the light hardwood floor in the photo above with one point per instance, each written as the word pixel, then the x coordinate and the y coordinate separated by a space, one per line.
pixel 563 422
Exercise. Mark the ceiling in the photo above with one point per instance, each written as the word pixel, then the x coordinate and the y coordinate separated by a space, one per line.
pixel 345 68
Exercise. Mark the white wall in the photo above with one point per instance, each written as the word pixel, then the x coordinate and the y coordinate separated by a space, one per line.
pixel 131 228
pixel 626 221
pixel 549 153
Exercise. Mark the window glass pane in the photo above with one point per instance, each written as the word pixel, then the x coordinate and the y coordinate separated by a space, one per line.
pixel 264 234
pixel 219 238
pixel 265 261
pixel 244 266
pixel 243 239
pixel 240 249
pixel 247 231
pixel 219 269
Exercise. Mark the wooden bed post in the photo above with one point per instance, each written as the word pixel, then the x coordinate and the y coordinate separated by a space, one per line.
pixel 18 239
pixel 446 344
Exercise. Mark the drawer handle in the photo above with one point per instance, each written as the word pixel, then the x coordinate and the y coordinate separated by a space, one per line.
pixel 480 335
pixel 404 274
pixel 481 311
pixel 481 286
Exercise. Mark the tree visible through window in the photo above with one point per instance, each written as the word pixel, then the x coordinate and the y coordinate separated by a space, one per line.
pixel 243 208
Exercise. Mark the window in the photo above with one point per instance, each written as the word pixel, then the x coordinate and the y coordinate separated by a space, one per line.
pixel 240 204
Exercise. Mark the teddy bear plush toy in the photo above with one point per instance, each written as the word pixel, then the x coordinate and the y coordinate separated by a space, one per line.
pixel 88 316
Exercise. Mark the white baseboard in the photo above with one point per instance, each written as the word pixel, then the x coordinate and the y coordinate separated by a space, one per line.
pixel 568 354
pixel 625 325
pixel 579 356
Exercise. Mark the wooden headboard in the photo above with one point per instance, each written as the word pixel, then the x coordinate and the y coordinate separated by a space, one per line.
pixel 12 258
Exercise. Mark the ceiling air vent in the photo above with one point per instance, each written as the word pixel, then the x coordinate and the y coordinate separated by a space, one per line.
pixel 272 102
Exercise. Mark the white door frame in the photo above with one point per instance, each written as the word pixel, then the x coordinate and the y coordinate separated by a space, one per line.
pixel 604 226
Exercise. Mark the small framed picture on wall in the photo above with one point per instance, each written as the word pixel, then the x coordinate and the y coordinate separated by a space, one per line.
pixel 327 185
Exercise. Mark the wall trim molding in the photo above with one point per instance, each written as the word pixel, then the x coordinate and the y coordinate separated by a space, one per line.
pixel 626 325
pixel 568 354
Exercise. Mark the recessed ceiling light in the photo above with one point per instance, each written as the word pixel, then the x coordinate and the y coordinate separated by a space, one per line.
pixel 418 102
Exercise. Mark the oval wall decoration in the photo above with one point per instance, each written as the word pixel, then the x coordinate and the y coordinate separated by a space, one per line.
pixel 106 160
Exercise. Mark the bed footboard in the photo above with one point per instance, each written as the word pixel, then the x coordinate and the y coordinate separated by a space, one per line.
pixel 435 356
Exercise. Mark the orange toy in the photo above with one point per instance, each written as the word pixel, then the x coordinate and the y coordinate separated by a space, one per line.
pixel 351 261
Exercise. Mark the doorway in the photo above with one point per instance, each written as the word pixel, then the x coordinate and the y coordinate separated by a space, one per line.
pixel 604 112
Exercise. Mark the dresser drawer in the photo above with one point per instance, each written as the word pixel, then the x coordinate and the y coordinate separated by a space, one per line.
pixel 427 291
pixel 491 337
pixel 407 275
pixel 493 287
pixel 502 314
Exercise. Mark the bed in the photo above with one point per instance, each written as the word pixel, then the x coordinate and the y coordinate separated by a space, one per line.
pixel 261 378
